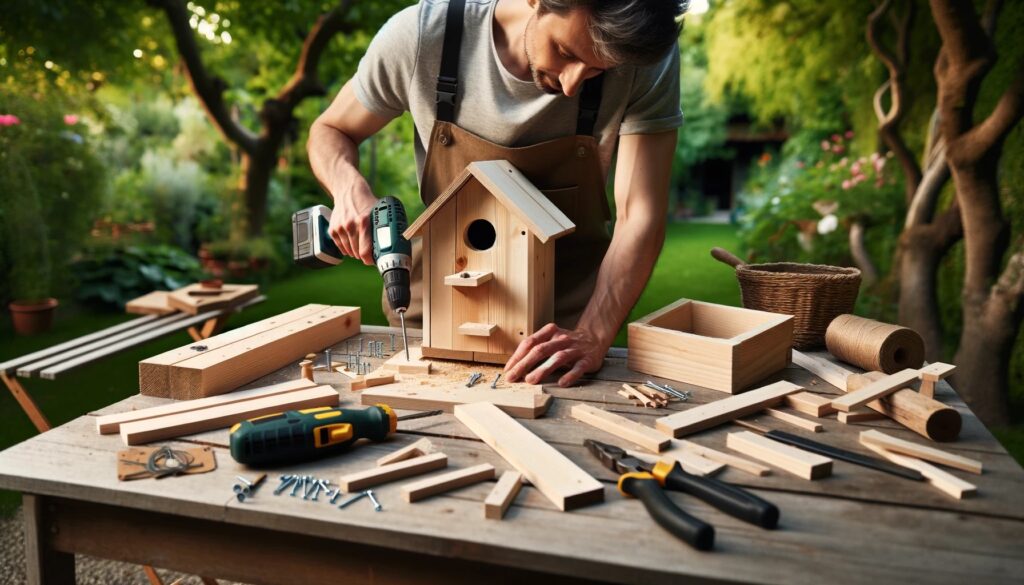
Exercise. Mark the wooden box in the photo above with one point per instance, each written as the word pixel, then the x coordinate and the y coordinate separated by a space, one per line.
pixel 713 346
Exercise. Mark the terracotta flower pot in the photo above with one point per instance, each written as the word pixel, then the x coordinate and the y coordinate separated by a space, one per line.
pixel 32 317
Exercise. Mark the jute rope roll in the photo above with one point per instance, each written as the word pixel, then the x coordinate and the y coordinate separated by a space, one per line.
pixel 874 346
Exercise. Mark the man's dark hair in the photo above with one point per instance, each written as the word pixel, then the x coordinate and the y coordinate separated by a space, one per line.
pixel 635 32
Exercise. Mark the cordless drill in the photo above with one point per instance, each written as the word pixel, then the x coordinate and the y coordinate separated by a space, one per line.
pixel 312 246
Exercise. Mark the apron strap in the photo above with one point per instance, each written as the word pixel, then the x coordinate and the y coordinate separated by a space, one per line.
pixel 590 103
pixel 447 80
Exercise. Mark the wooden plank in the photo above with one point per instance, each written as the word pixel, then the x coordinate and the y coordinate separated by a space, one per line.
pixel 111 423
pixel 153 303
pixel 372 380
pixel 218 417
pixel 690 461
pixel 936 371
pixel 226 368
pixel 414 365
pixel 530 190
pixel 807 425
pixel 925 452
pixel 469 278
pixel 826 370
pixel 875 390
pixel 502 495
pixel 10 366
pixel 796 461
pixel 447 482
pixel 416 449
pixel 921 414
pixel 942 480
pixel 810 403
pixel 477 329
pixel 393 471
pixel 518 403
pixel 546 221
pixel 230 295
pixel 859 416
pixel 554 474
pixel 740 463
pixel 622 427
pixel 470 304
pixel 443 261
pixel 730 408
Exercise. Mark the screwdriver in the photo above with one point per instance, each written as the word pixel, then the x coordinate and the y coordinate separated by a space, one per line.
pixel 301 435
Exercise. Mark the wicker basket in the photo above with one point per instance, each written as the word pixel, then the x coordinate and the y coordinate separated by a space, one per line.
pixel 812 293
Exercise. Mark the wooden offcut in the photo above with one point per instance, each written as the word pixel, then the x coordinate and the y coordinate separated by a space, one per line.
pixel 554 474
pixel 502 495
pixel 416 449
pixel 372 380
pixel 709 345
pixel 387 473
pixel 720 457
pixel 218 417
pixel 858 416
pixel 229 295
pixel 810 403
pixel 724 410
pixel 414 364
pixel 807 425
pixel 474 278
pixel 942 480
pixel 875 390
pixel 518 403
pixel 446 482
pixel 111 423
pixel 153 303
pixel 925 452
pixel 931 374
pixel 478 329
pixel 796 461
pixel 622 427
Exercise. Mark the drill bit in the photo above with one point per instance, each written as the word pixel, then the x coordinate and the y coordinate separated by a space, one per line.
pixel 405 337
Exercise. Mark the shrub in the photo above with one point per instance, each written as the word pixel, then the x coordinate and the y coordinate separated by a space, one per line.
pixel 114 276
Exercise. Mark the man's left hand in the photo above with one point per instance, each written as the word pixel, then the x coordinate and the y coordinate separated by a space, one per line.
pixel 553 348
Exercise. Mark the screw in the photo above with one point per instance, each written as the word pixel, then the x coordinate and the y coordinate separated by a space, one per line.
pixel 392 342
pixel 240 496
pixel 354 498
pixel 360 346
pixel 376 505
pixel 494 384
pixel 313 489
pixel 333 494
pixel 238 489
pixel 198 348
pixel 473 379
pixel 299 483
pixel 316 490
pixel 243 480
pixel 286 480
pixel 327 358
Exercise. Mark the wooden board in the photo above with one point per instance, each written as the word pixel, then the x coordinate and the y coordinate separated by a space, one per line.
pixel 810 403
pixel 828 371
pixel 417 449
pixel 218 417
pixel 439 484
pixel 154 372
pixel 230 295
pixel 477 329
pixel 554 474
pixel 502 495
pixel 807 425
pixel 875 390
pixel 371 380
pixel 709 345
pixel 796 461
pixel 924 452
pixel 942 480
pixel 154 303
pixel 755 469
pixel 936 371
pixel 393 471
pixel 216 371
pixel 859 416
pixel 518 403
pixel 415 364
pixel 622 427
pixel 111 423
pixel 469 278
pixel 690 461
pixel 715 413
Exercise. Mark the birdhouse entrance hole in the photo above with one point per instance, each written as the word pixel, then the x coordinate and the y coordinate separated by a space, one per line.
pixel 480 235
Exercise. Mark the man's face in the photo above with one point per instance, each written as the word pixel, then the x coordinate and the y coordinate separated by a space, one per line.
pixel 560 52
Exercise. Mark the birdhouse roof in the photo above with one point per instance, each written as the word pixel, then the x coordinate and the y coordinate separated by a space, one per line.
pixel 514 191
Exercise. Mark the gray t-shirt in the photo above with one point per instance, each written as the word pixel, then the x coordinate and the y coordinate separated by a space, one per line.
pixel 399 73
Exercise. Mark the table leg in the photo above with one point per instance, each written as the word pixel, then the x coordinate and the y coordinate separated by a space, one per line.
pixel 213 325
pixel 194 333
pixel 26 402
pixel 43 564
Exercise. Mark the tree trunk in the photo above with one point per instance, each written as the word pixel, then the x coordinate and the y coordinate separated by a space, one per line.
pixel 983 359
pixel 919 299
pixel 256 172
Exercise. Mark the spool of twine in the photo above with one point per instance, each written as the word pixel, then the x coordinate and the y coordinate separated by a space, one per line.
pixel 873 345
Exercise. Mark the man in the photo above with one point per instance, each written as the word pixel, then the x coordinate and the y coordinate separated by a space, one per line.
pixel 552 86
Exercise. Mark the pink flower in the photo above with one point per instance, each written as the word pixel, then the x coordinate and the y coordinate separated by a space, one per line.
pixel 70 119
pixel 825 145
pixel 874 157
pixel 842 161
pixel 879 165
pixel 837 138
pixel 855 168
pixel 849 134
pixel 9 120
pixel 838 149
pixel 847 184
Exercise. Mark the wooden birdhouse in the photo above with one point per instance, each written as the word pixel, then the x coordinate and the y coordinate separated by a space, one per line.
pixel 488 263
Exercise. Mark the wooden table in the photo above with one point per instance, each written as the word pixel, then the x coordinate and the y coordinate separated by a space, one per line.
pixel 857 526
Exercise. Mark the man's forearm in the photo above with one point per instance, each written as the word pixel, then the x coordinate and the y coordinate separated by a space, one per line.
pixel 334 159
pixel 624 272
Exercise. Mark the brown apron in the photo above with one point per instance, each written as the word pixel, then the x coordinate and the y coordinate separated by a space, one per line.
pixel 567 170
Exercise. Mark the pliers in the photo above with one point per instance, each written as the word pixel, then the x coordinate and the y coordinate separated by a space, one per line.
pixel 648 483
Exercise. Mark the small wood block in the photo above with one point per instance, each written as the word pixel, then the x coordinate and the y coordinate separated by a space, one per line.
pixel 470 278
pixel 621 427
pixel 501 496
pixel 377 378
pixel 942 480
pixel 416 449
pixel 724 410
pixel 659 398
pixel 875 390
pixel 223 416
pixel 154 303
pixel 518 403
pixel 478 329
pixel 414 365
pixel 643 398
pixel 796 421
pixel 392 471
pixel 932 454
pixel 551 472
pixel 828 371
pixel 690 461
pixel 858 416
pixel 810 403
pixel 721 457
pixel 447 482
pixel 796 461
pixel 936 371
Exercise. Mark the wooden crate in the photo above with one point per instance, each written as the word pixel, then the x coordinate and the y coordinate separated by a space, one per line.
pixel 714 346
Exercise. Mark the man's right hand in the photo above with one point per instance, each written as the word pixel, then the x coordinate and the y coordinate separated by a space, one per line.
pixel 350 222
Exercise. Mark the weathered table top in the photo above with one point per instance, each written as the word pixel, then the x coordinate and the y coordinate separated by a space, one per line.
pixel 858 525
